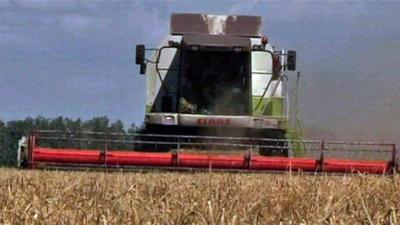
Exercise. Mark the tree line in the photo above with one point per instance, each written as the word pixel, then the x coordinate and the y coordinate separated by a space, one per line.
pixel 12 131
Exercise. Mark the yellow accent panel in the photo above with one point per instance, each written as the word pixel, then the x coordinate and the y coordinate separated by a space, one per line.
pixel 298 147
pixel 268 106
pixel 148 108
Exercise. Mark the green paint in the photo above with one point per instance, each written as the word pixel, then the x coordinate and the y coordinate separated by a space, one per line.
pixel 283 124
pixel 298 147
pixel 268 106
pixel 274 107
pixel 148 108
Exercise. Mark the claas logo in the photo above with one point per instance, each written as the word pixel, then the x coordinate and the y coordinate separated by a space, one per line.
pixel 214 121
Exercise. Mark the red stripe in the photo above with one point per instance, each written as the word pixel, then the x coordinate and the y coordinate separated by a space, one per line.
pixel 132 158
pixel 66 156
pixel 347 166
pixel 283 164
pixel 139 158
pixel 211 161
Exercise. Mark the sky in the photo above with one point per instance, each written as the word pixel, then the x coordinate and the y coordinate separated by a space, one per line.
pixel 76 58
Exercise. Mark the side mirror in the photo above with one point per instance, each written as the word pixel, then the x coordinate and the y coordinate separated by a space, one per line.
pixel 291 60
pixel 143 68
pixel 140 54
pixel 140 58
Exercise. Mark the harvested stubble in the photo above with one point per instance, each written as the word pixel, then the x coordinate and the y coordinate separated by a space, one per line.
pixel 54 197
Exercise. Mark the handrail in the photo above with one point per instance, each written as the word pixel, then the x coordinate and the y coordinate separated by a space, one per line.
pixel 179 140
pixel 38 132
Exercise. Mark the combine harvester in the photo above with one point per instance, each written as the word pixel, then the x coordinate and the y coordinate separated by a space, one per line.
pixel 217 99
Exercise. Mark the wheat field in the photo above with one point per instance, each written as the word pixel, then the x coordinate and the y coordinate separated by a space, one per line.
pixel 83 197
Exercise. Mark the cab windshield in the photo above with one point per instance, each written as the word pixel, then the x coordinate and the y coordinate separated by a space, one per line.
pixel 215 83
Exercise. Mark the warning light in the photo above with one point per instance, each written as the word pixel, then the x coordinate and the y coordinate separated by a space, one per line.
pixel 264 40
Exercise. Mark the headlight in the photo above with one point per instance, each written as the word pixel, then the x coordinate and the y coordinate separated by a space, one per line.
pixel 237 49
pixel 168 120
pixel 194 47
